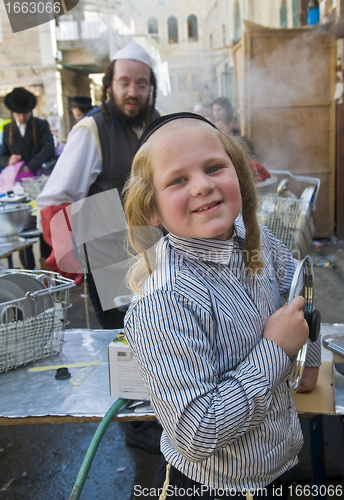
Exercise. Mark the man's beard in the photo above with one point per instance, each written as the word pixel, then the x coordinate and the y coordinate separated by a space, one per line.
pixel 131 121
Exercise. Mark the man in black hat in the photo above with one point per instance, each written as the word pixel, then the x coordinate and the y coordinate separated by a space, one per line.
pixel 26 139
pixel 80 106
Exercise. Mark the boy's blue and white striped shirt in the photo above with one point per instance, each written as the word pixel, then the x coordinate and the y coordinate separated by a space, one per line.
pixel 219 389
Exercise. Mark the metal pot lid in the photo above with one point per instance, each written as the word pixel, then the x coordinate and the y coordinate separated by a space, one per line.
pixel 302 284
pixel 10 197
pixel 12 207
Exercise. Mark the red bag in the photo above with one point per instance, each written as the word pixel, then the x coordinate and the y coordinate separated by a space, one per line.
pixel 62 258
pixel 259 172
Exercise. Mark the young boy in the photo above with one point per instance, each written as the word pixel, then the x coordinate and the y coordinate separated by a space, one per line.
pixel 211 339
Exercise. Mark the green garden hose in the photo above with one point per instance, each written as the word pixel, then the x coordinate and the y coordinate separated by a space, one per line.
pixel 86 464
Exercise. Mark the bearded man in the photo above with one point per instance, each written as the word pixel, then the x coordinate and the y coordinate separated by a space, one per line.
pixel 97 157
pixel 101 146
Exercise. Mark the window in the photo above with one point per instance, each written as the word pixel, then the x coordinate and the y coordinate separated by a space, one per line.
pixel 295 13
pixel 172 30
pixel 224 35
pixel 211 40
pixel 283 14
pixel 153 26
pixel 192 28
pixel 237 23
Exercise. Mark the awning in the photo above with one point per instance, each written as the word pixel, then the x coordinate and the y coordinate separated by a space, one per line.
pixel 85 68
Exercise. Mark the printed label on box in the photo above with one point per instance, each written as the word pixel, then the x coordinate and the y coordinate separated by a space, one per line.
pixel 125 377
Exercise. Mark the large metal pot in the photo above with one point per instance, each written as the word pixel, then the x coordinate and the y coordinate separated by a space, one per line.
pixel 13 219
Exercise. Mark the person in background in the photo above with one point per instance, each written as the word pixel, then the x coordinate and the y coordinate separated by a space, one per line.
pixel 222 106
pixel 80 106
pixel 97 157
pixel 224 122
pixel 26 139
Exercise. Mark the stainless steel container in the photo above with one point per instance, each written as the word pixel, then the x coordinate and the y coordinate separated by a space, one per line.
pixel 13 219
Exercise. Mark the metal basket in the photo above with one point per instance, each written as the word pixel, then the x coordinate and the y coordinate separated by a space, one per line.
pixel 291 219
pixel 27 339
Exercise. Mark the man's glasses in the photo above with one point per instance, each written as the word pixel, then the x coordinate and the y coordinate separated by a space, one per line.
pixel 141 88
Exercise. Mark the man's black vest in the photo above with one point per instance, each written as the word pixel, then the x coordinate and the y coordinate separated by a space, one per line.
pixel 118 144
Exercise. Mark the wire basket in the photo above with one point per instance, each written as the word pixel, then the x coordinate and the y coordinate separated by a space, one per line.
pixel 26 337
pixel 291 216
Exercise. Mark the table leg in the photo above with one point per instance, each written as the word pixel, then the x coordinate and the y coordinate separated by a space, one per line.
pixel 318 456
pixel 10 262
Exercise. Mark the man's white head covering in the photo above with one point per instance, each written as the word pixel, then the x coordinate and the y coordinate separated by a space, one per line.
pixel 134 51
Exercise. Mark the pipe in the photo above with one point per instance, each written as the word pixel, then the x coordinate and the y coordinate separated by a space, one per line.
pixel 90 453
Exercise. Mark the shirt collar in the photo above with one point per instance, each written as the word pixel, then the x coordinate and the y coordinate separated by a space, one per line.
pixel 217 251
pixel 21 127
pixel 138 130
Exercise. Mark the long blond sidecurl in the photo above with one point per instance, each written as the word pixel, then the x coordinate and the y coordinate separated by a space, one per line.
pixel 235 150
pixel 139 207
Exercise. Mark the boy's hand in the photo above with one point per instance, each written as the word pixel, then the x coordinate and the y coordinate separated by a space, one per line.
pixel 287 327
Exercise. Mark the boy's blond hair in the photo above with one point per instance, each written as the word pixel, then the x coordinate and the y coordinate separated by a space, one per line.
pixel 139 207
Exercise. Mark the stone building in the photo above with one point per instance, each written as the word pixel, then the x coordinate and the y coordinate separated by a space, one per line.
pixel 191 41
pixel 196 39
pixel 177 28
pixel 27 59
pixel 224 26
pixel 66 57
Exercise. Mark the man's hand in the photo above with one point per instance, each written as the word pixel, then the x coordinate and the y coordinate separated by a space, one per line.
pixel 288 328
pixel 14 159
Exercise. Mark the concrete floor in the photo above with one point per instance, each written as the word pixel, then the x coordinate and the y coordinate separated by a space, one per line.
pixel 42 461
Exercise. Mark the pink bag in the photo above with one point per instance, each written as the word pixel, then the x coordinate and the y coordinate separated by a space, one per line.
pixel 24 175
pixel 8 176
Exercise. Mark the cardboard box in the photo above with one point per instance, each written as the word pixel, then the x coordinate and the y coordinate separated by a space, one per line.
pixel 321 399
pixel 124 373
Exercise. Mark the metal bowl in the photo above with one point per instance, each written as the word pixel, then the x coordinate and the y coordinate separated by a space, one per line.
pixel 13 219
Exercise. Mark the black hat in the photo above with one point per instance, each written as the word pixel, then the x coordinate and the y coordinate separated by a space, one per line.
pixel 20 100
pixel 81 101
pixel 161 120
